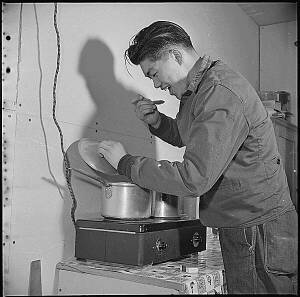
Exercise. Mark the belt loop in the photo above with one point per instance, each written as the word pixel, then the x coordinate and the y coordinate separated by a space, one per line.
pixel 253 229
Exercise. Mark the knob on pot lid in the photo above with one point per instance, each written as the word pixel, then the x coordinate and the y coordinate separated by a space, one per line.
pixel 88 150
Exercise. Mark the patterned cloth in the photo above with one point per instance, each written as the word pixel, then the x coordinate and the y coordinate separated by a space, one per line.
pixel 209 279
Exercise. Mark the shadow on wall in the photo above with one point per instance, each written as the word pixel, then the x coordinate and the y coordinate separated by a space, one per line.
pixel 113 118
pixel 114 111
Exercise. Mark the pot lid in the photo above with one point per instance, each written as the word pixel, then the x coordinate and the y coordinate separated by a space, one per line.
pixel 88 150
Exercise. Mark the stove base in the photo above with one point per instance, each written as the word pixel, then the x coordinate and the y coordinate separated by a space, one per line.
pixel 138 248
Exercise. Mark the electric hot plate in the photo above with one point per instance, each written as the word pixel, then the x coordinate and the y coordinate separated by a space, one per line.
pixel 138 242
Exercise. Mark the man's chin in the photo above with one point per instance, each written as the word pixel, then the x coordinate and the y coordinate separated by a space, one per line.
pixel 174 94
pixel 177 96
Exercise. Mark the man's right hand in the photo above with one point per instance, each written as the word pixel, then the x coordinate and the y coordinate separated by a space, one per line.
pixel 146 111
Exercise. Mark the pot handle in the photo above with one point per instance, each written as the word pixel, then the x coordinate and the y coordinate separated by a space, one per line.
pixel 90 176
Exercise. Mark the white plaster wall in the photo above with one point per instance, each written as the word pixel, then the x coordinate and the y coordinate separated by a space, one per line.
pixel 278 61
pixel 93 100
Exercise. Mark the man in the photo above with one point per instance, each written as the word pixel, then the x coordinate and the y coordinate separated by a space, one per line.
pixel 231 159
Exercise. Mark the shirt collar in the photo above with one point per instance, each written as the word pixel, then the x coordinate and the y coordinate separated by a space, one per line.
pixel 196 74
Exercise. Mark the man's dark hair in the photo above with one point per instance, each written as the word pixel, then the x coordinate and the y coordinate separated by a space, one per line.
pixel 150 41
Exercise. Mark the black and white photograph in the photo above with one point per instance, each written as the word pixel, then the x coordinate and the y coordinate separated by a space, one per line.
pixel 149 148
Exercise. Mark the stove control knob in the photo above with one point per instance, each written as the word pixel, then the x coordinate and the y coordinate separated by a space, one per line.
pixel 160 245
pixel 196 239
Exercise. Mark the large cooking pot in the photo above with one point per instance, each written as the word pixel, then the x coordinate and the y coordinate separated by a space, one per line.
pixel 120 197
pixel 123 200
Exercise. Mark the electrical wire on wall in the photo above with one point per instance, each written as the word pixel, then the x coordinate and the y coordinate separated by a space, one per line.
pixel 40 99
pixel 65 157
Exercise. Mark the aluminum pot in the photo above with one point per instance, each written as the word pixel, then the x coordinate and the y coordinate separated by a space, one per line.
pixel 123 200
pixel 165 205
pixel 126 201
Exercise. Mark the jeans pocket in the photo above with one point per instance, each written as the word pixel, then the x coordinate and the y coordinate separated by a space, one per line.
pixel 280 242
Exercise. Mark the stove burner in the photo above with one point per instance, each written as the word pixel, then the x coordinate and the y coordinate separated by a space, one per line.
pixel 114 219
pixel 144 220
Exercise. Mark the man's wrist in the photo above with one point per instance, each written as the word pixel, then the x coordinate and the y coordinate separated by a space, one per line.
pixel 124 165
pixel 157 124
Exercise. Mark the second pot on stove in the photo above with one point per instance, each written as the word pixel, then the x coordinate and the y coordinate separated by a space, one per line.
pixel 165 205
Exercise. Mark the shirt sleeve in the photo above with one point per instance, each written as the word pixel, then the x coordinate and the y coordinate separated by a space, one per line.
pixel 167 131
pixel 216 134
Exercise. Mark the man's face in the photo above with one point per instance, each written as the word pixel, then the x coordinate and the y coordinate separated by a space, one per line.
pixel 166 73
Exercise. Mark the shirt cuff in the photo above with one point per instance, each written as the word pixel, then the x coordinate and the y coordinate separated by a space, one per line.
pixel 124 165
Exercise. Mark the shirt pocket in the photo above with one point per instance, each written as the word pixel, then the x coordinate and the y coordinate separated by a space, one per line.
pixel 271 167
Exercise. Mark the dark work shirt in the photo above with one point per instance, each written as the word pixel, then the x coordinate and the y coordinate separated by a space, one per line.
pixel 231 160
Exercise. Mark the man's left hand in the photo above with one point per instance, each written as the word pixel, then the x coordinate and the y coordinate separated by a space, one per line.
pixel 112 151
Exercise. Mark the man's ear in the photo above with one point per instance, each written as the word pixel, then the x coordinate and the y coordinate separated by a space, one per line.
pixel 178 56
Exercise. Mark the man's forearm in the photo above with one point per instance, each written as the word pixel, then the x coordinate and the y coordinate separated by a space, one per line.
pixel 167 130
pixel 157 124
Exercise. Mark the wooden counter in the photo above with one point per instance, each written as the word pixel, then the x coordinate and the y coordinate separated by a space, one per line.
pixel 93 277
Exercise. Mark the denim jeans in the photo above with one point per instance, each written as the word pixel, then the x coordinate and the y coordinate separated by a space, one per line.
pixel 263 258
